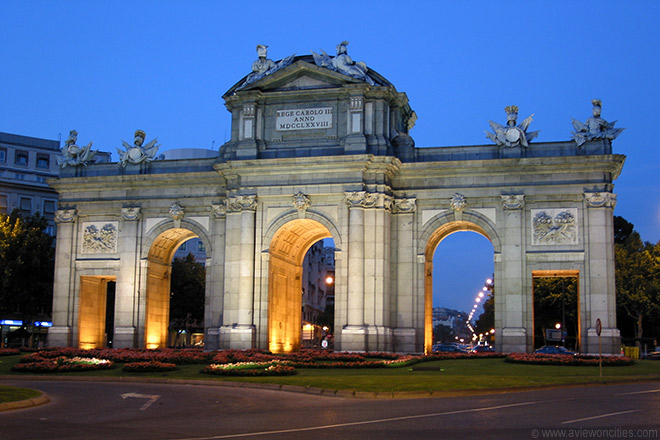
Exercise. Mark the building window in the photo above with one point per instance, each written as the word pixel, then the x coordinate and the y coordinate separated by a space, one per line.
pixel 41 179
pixel 19 176
pixel 49 207
pixel 200 247
pixel 183 247
pixel 3 155
pixel 26 205
pixel 43 161
pixel 21 158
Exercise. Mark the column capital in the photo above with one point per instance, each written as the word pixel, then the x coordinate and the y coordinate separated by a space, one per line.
pixel 242 203
pixel 513 201
pixel 600 199
pixel 404 206
pixel 65 215
pixel 131 213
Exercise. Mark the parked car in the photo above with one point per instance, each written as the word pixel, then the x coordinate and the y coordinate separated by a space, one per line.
pixel 654 356
pixel 554 349
pixel 448 348
pixel 483 349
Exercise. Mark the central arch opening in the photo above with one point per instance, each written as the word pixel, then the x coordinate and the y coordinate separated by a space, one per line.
pixel 159 277
pixel 285 282
pixel 434 241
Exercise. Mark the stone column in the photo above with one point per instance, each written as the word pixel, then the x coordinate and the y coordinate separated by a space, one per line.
pixel 512 313
pixel 377 230
pixel 213 307
pixel 126 292
pixel 404 331
pixel 353 333
pixel 600 290
pixel 238 329
pixel 64 285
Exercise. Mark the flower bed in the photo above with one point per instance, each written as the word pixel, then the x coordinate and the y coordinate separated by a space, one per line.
pixel 9 351
pixel 565 359
pixel 63 364
pixel 250 369
pixel 148 367
pixel 126 355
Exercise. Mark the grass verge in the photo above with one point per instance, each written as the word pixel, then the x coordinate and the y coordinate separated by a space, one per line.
pixel 434 376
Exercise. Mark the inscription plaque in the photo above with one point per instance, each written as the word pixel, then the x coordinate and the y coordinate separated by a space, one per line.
pixel 303 119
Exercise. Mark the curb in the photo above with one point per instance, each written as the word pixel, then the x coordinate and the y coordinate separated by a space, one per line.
pixel 321 392
pixel 20 404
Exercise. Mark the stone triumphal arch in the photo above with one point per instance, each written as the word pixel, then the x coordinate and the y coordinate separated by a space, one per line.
pixel 320 148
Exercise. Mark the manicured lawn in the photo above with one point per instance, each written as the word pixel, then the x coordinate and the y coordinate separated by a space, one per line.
pixel 434 376
pixel 12 394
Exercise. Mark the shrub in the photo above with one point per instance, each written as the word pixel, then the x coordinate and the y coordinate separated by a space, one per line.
pixel 63 364
pixel 9 351
pixel 148 367
pixel 250 369
pixel 567 359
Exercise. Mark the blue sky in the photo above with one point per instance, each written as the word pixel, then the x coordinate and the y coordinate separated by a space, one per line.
pixel 107 68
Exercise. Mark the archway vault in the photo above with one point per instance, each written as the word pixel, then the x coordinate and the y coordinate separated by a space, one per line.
pixel 287 252
pixel 159 272
pixel 434 238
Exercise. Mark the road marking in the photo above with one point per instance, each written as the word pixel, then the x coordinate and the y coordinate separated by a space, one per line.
pixel 638 392
pixel 599 417
pixel 152 398
pixel 365 422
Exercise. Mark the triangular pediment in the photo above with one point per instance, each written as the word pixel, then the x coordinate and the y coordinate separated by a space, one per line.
pixel 300 75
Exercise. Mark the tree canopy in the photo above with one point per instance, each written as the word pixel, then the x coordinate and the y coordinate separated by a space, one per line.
pixel 27 261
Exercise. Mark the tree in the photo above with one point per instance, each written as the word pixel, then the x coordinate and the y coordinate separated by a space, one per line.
pixel 637 280
pixel 187 299
pixel 555 301
pixel 486 321
pixel 443 334
pixel 27 262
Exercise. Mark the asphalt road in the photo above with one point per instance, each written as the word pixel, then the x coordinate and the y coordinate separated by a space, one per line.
pixel 100 410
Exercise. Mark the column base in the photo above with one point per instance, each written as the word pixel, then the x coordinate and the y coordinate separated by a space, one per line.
pixel 403 340
pixel 236 337
pixel 610 341
pixel 211 338
pixel 60 336
pixel 124 337
pixel 512 340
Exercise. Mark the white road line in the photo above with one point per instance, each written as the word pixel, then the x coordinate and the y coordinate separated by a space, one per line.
pixel 599 417
pixel 365 422
pixel 638 392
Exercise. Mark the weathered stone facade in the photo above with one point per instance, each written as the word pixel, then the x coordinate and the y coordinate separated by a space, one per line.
pixel 313 154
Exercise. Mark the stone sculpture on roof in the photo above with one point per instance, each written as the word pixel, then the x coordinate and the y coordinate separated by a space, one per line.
pixel 264 66
pixel 137 153
pixel 595 127
pixel 512 135
pixel 73 155
pixel 343 63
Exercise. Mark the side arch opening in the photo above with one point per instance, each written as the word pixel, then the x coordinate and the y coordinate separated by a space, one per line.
pixel 285 272
pixel 435 238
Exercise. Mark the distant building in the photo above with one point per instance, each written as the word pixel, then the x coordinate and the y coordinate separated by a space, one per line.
pixel 25 165
pixel 454 319
pixel 193 246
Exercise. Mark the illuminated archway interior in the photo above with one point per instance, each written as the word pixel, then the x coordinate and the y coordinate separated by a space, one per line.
pixel 558 274
pixel 158 284
pixel 287 251
pixel 440 234
pixel 92 311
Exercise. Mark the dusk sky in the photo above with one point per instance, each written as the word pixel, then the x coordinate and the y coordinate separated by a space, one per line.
pixel 107 68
